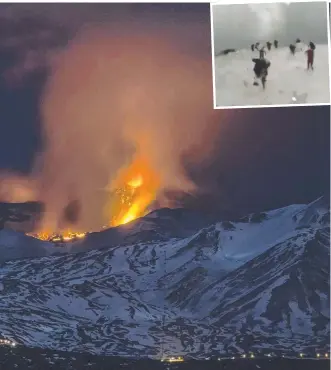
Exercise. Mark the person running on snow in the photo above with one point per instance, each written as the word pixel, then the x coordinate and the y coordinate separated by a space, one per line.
pixel 262 52
pixel 276 44
pixel 310 58
pixel 260 70
pixel 292 49
pixel 269 45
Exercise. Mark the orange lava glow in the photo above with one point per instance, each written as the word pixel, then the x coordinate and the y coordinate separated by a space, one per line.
pixel 136 182
pixel 65 236
pixel 137 187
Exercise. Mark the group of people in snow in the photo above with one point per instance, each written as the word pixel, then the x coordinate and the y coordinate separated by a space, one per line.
pixel 256 46
pixel 261 64
pixel 299 46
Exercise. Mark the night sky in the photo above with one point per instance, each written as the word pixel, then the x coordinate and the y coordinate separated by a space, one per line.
pixel 266 157
pixel 271 157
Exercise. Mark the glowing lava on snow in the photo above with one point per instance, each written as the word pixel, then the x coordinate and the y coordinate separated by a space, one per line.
pixel 136 187
pixel 62 237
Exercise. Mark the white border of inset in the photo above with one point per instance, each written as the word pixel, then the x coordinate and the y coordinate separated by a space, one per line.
pixel 328 6
pixel 242 2
pixel 238 2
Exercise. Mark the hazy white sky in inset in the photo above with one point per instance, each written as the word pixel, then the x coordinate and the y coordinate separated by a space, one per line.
pixel 240 25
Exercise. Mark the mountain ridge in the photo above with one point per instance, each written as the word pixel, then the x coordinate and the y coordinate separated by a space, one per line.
pixel 266 277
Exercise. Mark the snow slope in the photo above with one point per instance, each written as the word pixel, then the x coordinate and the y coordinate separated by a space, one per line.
pixel 14 245
pixel 287 77
pixel 264 277
pixel 159 225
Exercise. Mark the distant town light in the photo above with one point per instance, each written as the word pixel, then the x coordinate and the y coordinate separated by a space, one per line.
pixel 243 356
pixel 7 342
pixel 252 355
pixel 301 354
pixel 318 355
pixel 174 359
pixel 326 355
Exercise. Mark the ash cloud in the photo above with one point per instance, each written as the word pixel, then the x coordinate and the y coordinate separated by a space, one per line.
pixel 114 93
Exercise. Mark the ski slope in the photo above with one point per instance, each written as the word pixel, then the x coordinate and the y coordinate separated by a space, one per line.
pixel 288 81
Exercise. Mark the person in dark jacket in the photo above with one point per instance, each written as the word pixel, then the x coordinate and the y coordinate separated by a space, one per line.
pixel 269 45
pixel 276 44
pixel 260 69
pixel 252 47
pixel 292 49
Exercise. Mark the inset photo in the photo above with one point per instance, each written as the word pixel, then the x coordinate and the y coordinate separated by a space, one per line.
pixel 271 54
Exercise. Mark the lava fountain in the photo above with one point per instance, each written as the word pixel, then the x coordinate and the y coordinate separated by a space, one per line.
pixel 141 185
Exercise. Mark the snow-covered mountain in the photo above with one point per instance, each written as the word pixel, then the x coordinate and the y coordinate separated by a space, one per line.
pixel 160 225
pixel 288 81
pixel 17 245
pixel 262 281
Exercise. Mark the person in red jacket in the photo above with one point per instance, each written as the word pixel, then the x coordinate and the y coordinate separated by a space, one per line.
pixel 310 59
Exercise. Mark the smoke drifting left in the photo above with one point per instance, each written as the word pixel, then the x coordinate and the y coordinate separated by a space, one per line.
pixel 116 96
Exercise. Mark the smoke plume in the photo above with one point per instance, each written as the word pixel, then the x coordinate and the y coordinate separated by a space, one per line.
pixel 116 94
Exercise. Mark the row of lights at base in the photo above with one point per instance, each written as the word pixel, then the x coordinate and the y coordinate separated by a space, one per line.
pixel 301 355
pixel 318 355
pixel 7 342
pixel 181 359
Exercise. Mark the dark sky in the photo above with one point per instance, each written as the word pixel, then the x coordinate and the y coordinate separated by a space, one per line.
pixel 267 157
pixel 271 157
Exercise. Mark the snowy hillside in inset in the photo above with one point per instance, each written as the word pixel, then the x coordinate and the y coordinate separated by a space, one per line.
pixel 265 276
pixel 287 78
